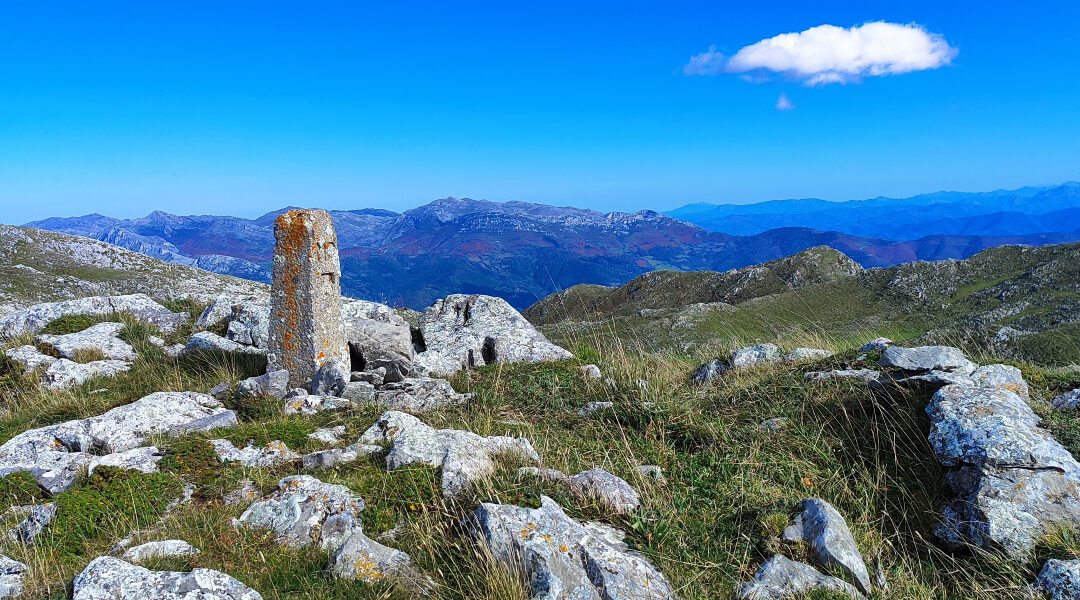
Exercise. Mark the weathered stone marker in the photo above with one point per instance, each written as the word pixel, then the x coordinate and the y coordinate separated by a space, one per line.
pixel 306 328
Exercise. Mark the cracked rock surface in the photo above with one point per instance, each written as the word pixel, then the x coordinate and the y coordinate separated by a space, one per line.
pixel 109 578
pixel 463 456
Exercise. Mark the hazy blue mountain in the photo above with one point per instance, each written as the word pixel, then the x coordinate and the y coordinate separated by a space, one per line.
pixel 940 213
pixel 521 251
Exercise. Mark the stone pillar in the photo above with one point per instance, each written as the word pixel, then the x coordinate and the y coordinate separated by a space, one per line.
pixel 306 328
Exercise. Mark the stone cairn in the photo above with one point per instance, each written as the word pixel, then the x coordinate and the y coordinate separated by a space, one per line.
pixel 306 328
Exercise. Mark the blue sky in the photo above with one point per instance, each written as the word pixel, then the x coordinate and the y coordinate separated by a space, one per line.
pixel 240 108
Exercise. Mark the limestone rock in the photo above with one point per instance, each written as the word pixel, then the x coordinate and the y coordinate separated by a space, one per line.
pixel 543 474
pixel 11 577
pixel 37 518
pixel 821 527
pixel 328 435
pixel 612 492
pixel 109 578
pixel 653 472
pixel 103 337
pixel 804 354
pixel 273 384
pixel 57 454
pixel 273 454
pixel 307 404
pixel 591 371
pixel 866 375
pixel 591 407
pixel 205 340
pixel 249 324
pixel 138 459
pixel 1059 580
pixel 1001 376
pixel 563 558
pixel 163 549
pixel 463 456
pixel 306 327
pixel 30 358
pixel 376 331
pixel 710 371
pixel 1011 481
pixel 305 511
pixel 140 306
pixel 465 331
pixel 328 459
pixel 419 394
pixel 751 356
pixel 246 493
pixel 1066 401
pixel 63 373
pixel 880 343
pixel 331 378
pixel 358 392
pixel 781 577
pixel 927 358
pixel 361 557
pixel 773 424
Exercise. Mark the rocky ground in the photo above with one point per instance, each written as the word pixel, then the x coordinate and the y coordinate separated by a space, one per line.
pixel 146 452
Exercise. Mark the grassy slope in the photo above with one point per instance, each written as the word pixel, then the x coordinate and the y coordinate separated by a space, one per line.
pixel 730 484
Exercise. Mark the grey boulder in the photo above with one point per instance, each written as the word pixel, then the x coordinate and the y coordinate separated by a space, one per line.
pixel 144 459
pixel 37 518
pixel 305 511
pixel 34 318
pixel 709 371
pixel 419 394
pixel 562 558
pixel 376 331
pixel 866 375
pixel 109 578
pixel 611 492
pixel 1067 401
pixel 464 331
pixel 273 454
pixel 11 577
pixel 879 343
pixel 249 324
pixel 463 456
pixel 361 557
pixel 206 340
pixel 781 577
pixel 1010 481
pixel 821 527
pixel 805 354
pixel 1059 580
pixel 927 358
pixel 273 384
pixel 751 356
pixel 330 379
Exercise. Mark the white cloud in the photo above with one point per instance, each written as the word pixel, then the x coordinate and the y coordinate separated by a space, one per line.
pixel 783 103
pixel 706 63
pixel 829 54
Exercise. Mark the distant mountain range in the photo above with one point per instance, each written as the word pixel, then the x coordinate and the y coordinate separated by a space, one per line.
pixel 1000 213
pixel 523 252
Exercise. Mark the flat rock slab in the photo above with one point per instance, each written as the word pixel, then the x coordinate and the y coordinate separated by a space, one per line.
pixel 305 511
pixel 563 558
pixel 162 549
pixel 56 455
pixel 1011 481
pixel 143 459
pixel 206 340
pixel 866 375
pixel 103 337
pixel 610 491
pixel 273 454
pixel 109 578
pixel 464 331
pixel 361 557
pixel 419 395
pixel 927 358
pixel 34 318
pixel 781 577
pixel 376 331
pixel 751 356
pixel 463 456
pixel 1067 401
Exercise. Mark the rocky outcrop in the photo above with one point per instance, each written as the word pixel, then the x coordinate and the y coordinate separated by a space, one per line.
pixel 361 557
pixel 35 519
pixel 751 356
pixel 926 358
pixel 709 371
pixel 56 455
pixel 143 459
pixel 249 324
pixel 465 331
pixel 1067 401
pixel 140 306
pixel 419 394
pixel 109 578
pixel 876 344
pixel 463 456
pixel 103 337
pixel 611 492
pixel 1010 481
pixel 866 375
pixel 305 511
pixel 780 577
pixel 331 378
pixel 274 384
pixel 563 558
pixel 807 354
pixel 825 532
